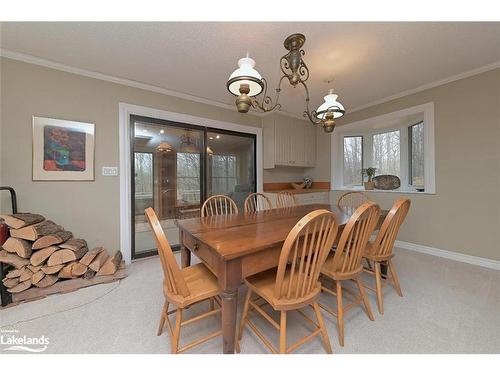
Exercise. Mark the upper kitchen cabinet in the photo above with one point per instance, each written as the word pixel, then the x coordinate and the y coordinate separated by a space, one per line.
pixel 288 142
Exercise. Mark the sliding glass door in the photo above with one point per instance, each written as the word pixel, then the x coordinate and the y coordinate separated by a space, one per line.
pixel 176 166
pixel 230 165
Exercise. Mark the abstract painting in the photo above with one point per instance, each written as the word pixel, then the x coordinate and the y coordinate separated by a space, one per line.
pixel 62 150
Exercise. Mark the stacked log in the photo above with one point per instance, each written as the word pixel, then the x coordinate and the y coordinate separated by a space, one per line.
pixel 41 253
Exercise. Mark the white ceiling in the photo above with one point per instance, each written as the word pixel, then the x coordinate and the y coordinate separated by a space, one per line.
pixel 368 61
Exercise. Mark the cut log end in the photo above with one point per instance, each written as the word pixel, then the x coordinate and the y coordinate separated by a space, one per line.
pixel 19 246
pixel 13 259
pixel 35 231
pixel 42 255
pixel 47 281
pixel 20 287
pixel 111 265
pixel 99 261
pixel 52 239
pixel 20 220
pixel 60 257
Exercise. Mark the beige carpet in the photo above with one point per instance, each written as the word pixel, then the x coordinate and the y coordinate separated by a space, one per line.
pixel 448 307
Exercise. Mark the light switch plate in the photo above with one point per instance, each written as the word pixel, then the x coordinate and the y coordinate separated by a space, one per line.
pixel 110 171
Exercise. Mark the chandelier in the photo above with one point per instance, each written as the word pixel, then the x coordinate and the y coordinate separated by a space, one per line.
pixel 187 144
pixel 164 147
pixel 246 83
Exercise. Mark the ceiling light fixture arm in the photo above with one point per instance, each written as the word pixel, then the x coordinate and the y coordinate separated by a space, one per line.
pixel 267 102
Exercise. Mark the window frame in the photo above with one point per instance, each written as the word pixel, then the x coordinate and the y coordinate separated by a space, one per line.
pixel 371 126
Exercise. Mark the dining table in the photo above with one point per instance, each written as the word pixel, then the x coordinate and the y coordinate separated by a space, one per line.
pixel 236 246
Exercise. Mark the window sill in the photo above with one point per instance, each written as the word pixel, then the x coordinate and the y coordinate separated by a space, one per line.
pixel 397 191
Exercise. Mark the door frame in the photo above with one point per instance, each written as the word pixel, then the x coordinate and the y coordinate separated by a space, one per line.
pixel 125 111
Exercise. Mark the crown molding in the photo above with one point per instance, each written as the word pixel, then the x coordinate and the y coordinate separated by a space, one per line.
pixel 430 85
pixel 144 86
pixel 109 78
pixel 123 81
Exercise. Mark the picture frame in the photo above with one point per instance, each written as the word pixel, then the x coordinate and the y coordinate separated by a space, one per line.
pixel 63 150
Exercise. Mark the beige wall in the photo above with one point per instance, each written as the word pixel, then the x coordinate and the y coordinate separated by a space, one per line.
pixel 89 209
pixel 464 215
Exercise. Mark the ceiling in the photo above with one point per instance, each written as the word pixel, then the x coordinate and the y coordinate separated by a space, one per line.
pixel 368 61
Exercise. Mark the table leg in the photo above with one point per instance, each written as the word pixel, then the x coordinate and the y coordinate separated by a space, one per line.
pixel 185 257
pixel 229 308
pixel 229 281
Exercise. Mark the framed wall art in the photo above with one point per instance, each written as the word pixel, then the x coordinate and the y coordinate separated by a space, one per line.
pixel 63 150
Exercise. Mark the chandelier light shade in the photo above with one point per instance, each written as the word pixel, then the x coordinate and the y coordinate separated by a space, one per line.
pixel 245 75
pixel 246 84
pixel 164 147
pixel 330 103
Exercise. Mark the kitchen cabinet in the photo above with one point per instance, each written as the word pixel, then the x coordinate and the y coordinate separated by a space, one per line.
pixel 288 142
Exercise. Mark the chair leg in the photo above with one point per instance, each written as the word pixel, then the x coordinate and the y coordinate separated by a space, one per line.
pixel 324 333
pixel 283 332
pixel 162 318
pixel 378 282
pixel 365 299
pixel 340 313
pixel 243 318
pixel 177 331
pixel 395 278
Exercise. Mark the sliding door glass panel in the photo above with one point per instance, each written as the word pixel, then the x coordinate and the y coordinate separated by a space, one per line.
pixel 230 165
pixel 167 172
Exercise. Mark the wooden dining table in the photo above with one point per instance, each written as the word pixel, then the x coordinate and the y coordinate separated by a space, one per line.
pixel 234 247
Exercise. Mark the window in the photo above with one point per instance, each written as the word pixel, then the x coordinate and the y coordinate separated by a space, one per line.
pixel 416 155
pixel 224 178
pixel 188 177
pixel 400 143
pixel 353 161
pixel 387 153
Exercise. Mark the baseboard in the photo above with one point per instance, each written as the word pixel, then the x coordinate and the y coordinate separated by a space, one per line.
pixel 477 261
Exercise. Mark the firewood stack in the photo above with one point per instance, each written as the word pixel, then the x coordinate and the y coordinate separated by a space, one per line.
pixel 43 253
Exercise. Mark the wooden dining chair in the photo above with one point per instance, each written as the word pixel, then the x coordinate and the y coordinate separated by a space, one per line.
pixel 351 200
pixel 183 288
pixel 218 205
pixel 285 199
pixel 294 284
pixel 257 202
pixel 345 263
pixel 380 251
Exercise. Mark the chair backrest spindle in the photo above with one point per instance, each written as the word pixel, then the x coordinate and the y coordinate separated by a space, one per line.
pixel 354 237
pixel 351 200
pixel 257 202
pixel 389 230
pixel 218 205
pixel 285 199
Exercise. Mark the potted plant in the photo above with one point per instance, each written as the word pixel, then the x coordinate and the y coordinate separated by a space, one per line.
pixel 370 172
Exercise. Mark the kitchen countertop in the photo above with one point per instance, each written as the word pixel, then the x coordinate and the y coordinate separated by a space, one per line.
pixel 298 191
